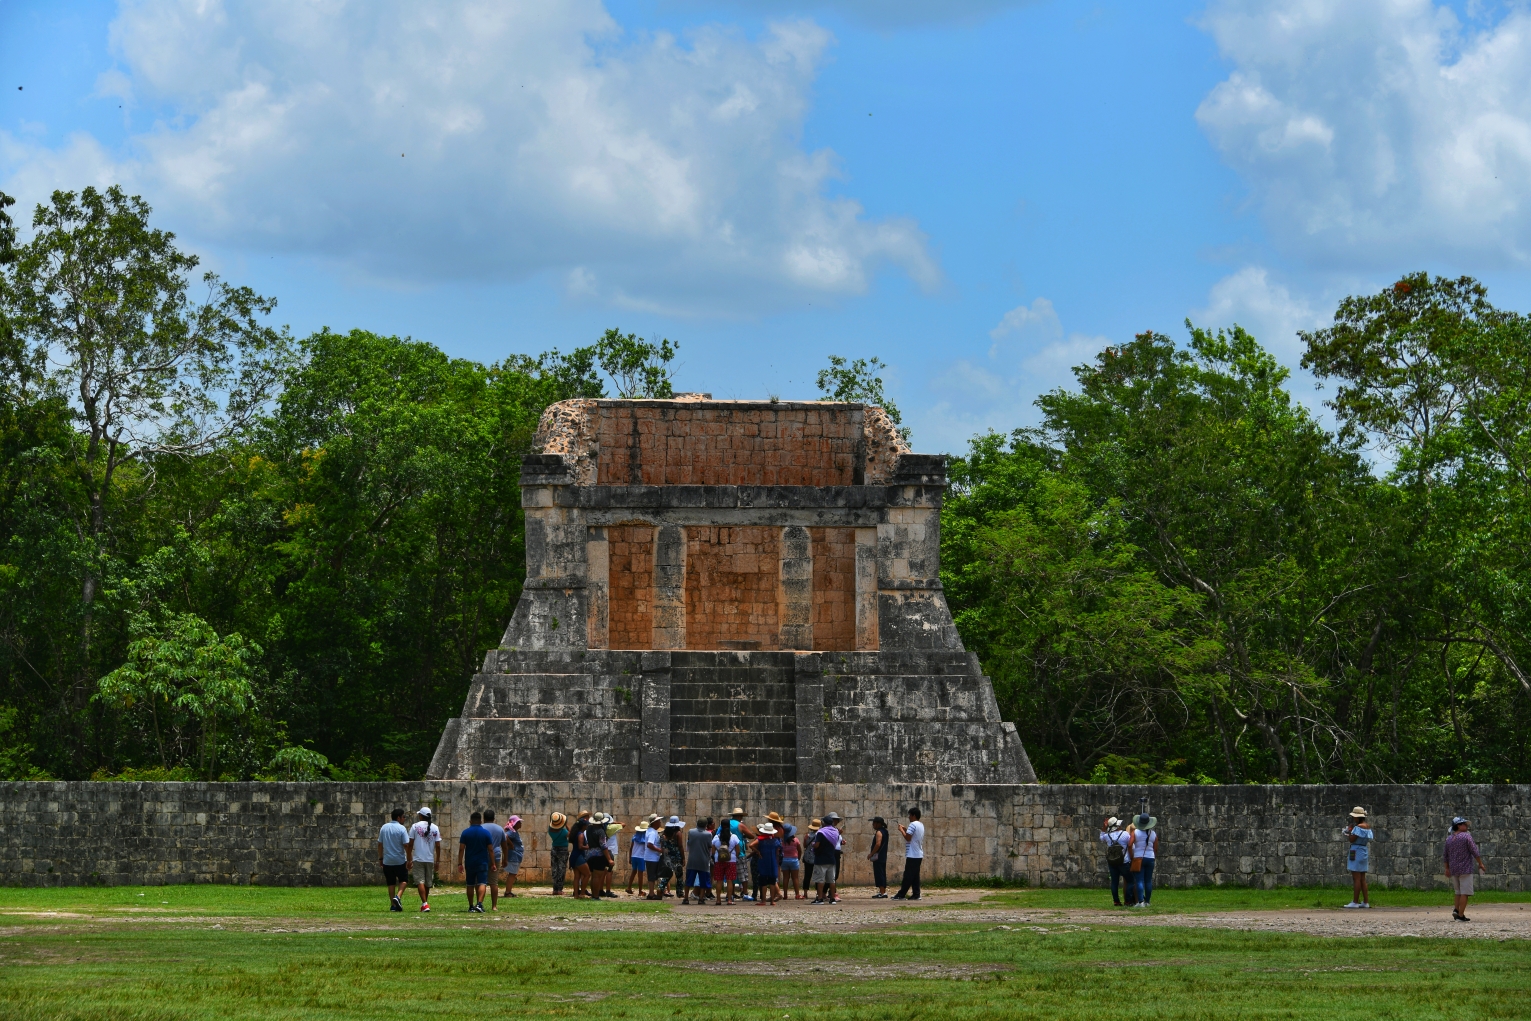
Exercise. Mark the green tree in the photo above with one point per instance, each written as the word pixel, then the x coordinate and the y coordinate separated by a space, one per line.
pixel 639 368
pixel 858 382
pixel 188 680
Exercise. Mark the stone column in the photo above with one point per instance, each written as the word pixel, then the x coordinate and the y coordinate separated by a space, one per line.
pixel 808 688
pixel 866 590
pixel 654 744
pixel 796 588
pixel 669 587
pixel 598 587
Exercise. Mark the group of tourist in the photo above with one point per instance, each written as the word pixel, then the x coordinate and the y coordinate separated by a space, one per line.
pixel 1132 845
pixel 761 862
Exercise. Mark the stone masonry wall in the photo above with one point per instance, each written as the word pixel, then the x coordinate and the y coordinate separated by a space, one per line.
pixel 324 834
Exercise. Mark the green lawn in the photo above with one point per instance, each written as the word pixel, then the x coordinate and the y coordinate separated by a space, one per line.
pixel 321 954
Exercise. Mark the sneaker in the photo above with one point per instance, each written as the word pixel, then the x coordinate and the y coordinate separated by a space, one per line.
pixel 879 896
pixel 394 905
pixel 1367 906
pixel 898 896
pixel 914 897
pixel 1463 918
pixel 425 907
pixel 1352 904
pixel 749 898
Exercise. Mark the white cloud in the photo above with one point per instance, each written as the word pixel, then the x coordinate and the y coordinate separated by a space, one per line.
pixel 1264 307
pixel 491 140
pixel 1376 133
pixel 1030 356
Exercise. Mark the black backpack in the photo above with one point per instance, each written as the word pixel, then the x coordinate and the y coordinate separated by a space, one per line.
pixel 1115 853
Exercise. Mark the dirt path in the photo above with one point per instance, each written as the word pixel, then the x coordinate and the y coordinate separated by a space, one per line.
pixel 855 913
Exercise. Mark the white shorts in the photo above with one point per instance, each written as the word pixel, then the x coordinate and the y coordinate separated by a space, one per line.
pixel 1462 885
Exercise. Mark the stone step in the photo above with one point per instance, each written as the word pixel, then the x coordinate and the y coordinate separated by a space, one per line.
pixel 734 774
pixel 732 756
pixel 726 739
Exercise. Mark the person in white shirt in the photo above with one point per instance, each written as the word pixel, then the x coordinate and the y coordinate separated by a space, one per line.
pixel 424 842
pixel 914 856
pixel 1144 844
pixel 1118 855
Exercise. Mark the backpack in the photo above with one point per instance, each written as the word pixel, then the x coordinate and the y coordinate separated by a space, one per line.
pixel 1115 853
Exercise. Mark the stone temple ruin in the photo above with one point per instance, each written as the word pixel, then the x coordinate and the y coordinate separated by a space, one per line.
pixel 730 591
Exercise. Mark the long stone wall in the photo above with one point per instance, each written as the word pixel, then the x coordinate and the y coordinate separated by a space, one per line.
pixel 324 834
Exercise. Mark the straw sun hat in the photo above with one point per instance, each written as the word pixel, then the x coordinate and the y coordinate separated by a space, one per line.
pixel 558 820
pixel 1358 812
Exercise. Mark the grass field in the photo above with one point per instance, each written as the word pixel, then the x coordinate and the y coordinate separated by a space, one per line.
pixel 1170 900
pixel 321 954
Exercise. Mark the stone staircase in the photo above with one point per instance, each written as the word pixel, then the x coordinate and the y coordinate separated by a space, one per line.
pixel 734 723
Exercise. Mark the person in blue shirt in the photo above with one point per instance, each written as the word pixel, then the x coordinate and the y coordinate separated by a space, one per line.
pixel 473 850
pixel 1358 860
pixel 393 856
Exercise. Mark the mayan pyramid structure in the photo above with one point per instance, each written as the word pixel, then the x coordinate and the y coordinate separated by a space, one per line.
pixel 732 591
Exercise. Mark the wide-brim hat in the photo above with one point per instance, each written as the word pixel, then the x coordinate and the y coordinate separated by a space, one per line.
pixel 1113 822
pixel 737 811
pixel 1358 812
pixel 642 827
pixel 832 817
pixel 766 829
pixel 774 817
pixel 512 821
pixel 675 820
pixel 1150 824
pixel 557 820
pixel 816 824
pixel 612 826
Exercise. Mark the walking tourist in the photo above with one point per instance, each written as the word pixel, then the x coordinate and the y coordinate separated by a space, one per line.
pixel 636 861
pixel 878 856
pixel 826 860
pixel 1144 843
pixel 725 862
pixel 497 838
pixel 392 855
pixel 425 844
pixel 768 863
pixel 558 850
pixel 698 857
pixel 473 856
pixel 792 864
pixel 1115 839
pixel 515 853
pixel 1461 853
pixel 1357 858
pixel 914 855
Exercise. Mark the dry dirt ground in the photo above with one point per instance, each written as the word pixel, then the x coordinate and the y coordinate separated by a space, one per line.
pixel 856 912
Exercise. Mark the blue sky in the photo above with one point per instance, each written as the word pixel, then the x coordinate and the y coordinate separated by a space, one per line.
pixel 980 193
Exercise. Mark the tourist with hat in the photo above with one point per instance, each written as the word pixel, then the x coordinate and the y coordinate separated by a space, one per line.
pixel 424 845
pixel 914 855
pixel 558 850
pixel 672 857
pixel 1144 844
pixel 1461 853
pixel 580 854
pixel 826 860
pixel 635 861
pixel 1358 857
pixel 652 854
pixel 1114 837
pixel 613 847
pixel 515 853
pixel 768 863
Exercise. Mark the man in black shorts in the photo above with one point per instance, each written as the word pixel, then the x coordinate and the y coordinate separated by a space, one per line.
pixel 392 841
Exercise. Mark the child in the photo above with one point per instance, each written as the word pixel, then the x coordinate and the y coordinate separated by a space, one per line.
pixel 791 863
pixel 635 860
pixel 768 865
pixel 1358 860
pixel 725 856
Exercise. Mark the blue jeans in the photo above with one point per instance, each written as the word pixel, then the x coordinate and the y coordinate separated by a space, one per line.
pixel 1145 881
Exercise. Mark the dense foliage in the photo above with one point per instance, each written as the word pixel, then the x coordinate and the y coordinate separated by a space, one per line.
pixel 227 552
pixel 1181 577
